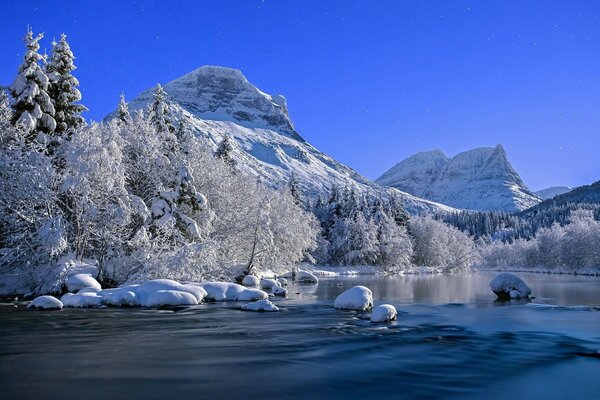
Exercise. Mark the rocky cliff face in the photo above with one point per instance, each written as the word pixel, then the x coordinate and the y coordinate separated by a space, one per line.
pixel 478 179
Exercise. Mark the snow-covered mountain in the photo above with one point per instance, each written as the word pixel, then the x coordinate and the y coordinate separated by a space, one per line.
pixel 217 101
pixel 478 179
pixel 550 192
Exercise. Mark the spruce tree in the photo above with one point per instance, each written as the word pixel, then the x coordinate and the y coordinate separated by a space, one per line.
pixel 33 109
pixel 158 111
pixel 5 111
pixel 224 150
pixel 63 88
pixel 123 115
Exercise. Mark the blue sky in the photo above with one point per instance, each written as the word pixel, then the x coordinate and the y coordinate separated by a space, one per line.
pixel 370 83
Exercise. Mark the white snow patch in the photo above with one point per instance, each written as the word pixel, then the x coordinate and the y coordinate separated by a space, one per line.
pixel 261 305
pixel 279 291
pixel 46 303
pixel 358 298
pixel 384 313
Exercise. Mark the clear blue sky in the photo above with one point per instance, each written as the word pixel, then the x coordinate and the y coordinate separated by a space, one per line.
pixel 370 83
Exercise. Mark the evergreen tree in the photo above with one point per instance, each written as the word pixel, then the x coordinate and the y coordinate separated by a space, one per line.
pixel 295 191
pixel 224 150
pixel 123 115
pixel 33 109
pixel 5 111
pixel 158 111
pixel 63 88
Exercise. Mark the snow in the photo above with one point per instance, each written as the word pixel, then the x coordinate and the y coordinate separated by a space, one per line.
pixel 282 281
pixel 358 298
pixel 148 288
pixel 507 285
pixel 251 280
pixel 306 277
pixel 79 281
pixel 120 297
pixel 81 300
pixel 46 303
pixel 478 179
pixel 550 192
pixel 261 305
pixel 268 283
pixel 169 298
pixel 225 291
pixel 384 313
pixel 279 291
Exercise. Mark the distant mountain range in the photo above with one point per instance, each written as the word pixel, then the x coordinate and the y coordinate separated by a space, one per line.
pixel 478 179
pixel 550 192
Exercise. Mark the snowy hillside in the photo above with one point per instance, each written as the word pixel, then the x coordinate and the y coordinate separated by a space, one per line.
pixel 479 179
pixel 217 101
pixel 550 192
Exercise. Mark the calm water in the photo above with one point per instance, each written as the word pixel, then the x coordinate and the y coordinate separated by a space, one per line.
pixel 451 341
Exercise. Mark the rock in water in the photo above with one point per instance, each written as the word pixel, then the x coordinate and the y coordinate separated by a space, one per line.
pixel 250 280
pixel 358 298
pixel 46 303
pixel 261 305
pixel 384 313
pixel 508 286
pixel 306 277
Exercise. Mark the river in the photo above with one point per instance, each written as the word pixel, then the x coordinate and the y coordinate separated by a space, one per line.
pixel 451 340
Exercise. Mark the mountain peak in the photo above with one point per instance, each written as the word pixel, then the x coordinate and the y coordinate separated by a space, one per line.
pixel 478 179
pixel 224 94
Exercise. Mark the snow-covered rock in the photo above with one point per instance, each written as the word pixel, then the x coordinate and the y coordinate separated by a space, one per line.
pixel 384 313
pixel 509 286
pixel 169 298
pixel 279 291
pixel 358 298
pixel 251 280
pixel 268 283
pixel 306 277
pixel 225 291
pixel 218 102
pixel 80 281
pixel 82 300
pixel 46 303
pixel 282 281
pixel 261 305
pixel 119 297
pixel 478 179
pixel 89 290
pixel 146 289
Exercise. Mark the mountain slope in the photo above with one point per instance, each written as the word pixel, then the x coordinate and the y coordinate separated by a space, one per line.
pixel 550 192
pixel 478 179
pixel 217 101
pixel 587 194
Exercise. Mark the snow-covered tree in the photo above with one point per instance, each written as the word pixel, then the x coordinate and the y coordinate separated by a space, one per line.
pixel 33 108
pixel 63 88
pixel 437 244
pixel 224 150
pixel 158 111
pixel 123 115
